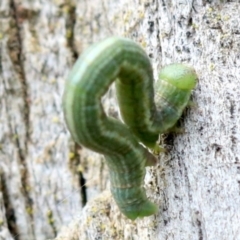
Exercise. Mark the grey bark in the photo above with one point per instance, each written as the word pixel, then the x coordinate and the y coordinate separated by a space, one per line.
pixel 46 179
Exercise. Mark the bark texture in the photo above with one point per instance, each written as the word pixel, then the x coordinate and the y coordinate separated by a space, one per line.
pixel 46 180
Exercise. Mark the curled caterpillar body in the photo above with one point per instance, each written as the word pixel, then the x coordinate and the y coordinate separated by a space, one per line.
pixel 123 61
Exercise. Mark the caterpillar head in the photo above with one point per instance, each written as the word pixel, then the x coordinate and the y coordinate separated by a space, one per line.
pixel 181 76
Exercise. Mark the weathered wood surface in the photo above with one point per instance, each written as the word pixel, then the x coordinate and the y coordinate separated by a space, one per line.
pixel 196 183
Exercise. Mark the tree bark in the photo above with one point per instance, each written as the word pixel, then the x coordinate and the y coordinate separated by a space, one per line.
pixel 50 186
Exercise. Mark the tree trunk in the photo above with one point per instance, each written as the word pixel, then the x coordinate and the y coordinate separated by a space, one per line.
pixel 46 179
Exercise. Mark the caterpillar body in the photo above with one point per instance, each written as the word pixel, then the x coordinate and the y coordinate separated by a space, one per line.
pixel 125 62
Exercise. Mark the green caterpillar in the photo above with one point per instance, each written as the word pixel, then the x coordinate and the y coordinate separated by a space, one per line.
pixel 123 61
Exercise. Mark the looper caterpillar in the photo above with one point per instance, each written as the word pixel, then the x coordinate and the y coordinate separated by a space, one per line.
pixel 123 61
